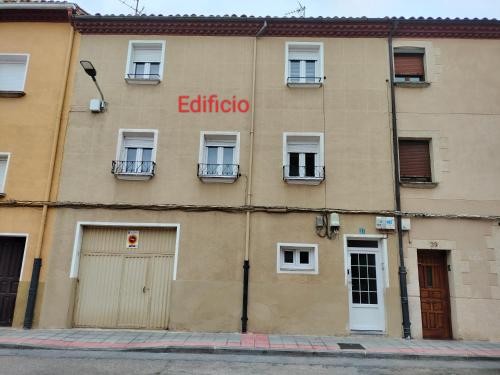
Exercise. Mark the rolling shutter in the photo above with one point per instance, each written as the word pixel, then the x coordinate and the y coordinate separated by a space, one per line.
pixel 414 160
pixel 147 54
pixel 409 64
pixel 12 72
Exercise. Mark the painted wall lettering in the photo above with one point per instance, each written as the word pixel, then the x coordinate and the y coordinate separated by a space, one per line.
pixel 212 104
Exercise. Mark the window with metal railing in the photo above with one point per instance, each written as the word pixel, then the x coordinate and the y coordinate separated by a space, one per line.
pixel 145 62
pixel 136 154
pixel 219 156
pixel 303 158
pixel 304 65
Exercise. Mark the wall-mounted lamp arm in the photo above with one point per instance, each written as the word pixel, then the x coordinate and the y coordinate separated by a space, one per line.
pixel 99 89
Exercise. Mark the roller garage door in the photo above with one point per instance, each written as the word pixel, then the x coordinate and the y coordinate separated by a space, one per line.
pixel 124 283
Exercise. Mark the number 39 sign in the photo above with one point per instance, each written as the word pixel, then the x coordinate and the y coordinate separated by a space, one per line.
pixel 132 239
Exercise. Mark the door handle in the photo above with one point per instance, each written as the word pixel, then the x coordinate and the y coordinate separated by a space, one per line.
pixel 144 289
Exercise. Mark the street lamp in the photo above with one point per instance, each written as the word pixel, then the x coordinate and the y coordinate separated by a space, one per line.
pixel 96 105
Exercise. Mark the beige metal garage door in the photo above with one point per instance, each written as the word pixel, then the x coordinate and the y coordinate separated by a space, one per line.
pixel 124 288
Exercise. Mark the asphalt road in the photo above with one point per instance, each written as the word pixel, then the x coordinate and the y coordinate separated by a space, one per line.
pixel 55 362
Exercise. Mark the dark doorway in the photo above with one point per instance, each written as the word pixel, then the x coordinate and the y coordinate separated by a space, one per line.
pixel 434 294
pixel 11 260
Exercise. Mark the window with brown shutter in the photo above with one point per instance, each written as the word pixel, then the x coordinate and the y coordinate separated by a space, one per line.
pixel 409 66
pixel 414 160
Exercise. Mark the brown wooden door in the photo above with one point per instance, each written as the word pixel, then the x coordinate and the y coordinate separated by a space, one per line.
pixel 11 259
pixel 434 294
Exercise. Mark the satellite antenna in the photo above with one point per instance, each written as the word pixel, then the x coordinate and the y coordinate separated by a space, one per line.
pixel 135 7
pixel 300 11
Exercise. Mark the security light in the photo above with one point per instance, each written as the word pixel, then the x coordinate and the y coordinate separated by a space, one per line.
pixel 89 68
pixel 96 105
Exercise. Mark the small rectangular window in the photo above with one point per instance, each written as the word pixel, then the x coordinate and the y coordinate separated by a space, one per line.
pixel 409 65
pixel 428 277
pixel 304 65
pixel 135 154
pixel 297 258
pixel 219 154
pixel 13 72
pixel 414 160
pixel 303 158
pixel 145 62
pixel 4 160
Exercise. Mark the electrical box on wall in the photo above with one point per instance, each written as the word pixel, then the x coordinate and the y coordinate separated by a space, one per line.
pixel 334 220
pixel 385 223
pixel 96 105
pixel 405 224
pixel 319 221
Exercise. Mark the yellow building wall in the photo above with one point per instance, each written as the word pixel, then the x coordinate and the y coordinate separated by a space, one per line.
pixel 28 128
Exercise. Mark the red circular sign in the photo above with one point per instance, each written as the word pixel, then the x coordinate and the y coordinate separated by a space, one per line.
pixel 132 239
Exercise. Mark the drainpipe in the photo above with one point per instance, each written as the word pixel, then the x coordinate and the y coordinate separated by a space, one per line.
pixel 37 261
pixel 248 198
pixel 397 192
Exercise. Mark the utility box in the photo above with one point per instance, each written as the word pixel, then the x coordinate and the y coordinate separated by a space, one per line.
pixel 385 223
pixel 319 222
pixel 334 220
pixel 405 223
pixel 95 105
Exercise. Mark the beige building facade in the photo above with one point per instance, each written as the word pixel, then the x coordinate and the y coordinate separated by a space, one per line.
pixel 458 114
pixel 277 216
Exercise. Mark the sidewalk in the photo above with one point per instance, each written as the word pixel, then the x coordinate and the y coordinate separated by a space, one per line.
pixel 227 343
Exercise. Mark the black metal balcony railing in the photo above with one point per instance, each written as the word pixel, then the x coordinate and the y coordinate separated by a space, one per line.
pixel 294 80
pixel 152 77
pixel 303 172
pixel 218 170
pixel 133 167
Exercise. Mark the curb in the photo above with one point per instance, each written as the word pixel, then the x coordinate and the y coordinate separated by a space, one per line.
pixel 264 352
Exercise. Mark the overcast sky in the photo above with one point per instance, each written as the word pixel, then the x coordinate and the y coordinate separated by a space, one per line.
pixel 325 8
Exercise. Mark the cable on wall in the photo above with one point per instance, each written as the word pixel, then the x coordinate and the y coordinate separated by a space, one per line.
pixel 239 209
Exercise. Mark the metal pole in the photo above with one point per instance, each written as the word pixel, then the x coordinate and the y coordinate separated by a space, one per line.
pixel 397 192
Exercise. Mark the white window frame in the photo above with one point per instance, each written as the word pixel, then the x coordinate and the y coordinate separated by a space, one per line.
pixel 130 69
pixel 382 238
pixel 318 161
pixel 319 71
pixel 311 269
pixel 123 133
pixel 210 138
pixel 3 179
pixel 27 55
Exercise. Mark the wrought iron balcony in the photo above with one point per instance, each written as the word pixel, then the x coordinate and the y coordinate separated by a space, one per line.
pixel 143 76
pixel 133 170
pixel 146 79
pixel 218 172
pixel 312 175
pixel 304 81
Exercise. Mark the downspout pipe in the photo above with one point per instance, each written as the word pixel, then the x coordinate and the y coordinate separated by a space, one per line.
pixel 248 198
pixel 397 191
pixel 37 261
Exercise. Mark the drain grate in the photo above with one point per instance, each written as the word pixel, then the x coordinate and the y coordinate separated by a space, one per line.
pixel 343 345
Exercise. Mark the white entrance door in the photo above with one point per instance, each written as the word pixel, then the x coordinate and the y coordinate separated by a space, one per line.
pixel 365 281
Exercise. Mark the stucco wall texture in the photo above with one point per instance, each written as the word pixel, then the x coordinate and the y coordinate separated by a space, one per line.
pixel 459 114
pixel 28 129
pixel 352 110
pixel 208 291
